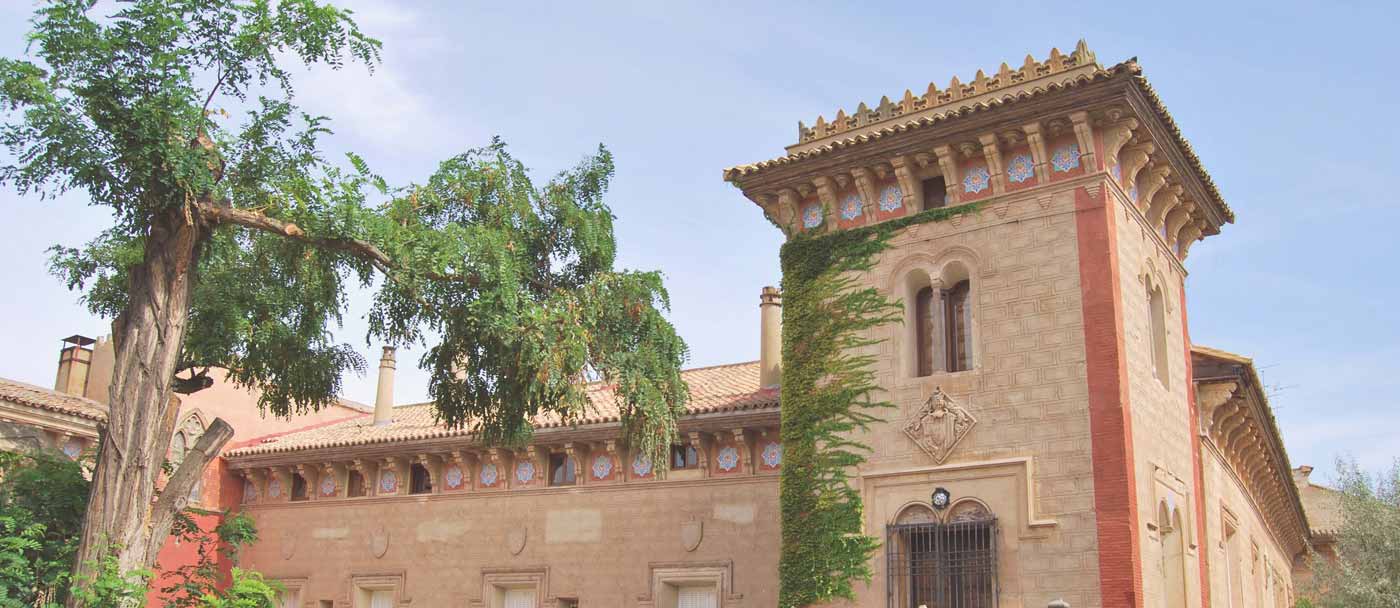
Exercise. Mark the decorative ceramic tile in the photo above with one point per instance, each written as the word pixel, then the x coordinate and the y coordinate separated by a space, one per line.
pixel 1020 169
pixel 72 448
pixel 1065 158
pixel 728 458
pixel 773 454
pixel 525 471
pixel 641 465
pixel 976 180
pixel 453 476
pixel 1132 193
pixel 850 207
pixel 274 487
pixel 328 485
pixel 811 216
pixel 1117 171
pixel 891 198
pixel 602 466
pixel 489 474
pixel 250 491
pixel 388 482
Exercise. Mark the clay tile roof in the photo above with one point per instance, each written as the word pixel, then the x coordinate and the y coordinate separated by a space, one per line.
pixel 982 103
pixel 48 399
pixel 1323 506
pixel 721 388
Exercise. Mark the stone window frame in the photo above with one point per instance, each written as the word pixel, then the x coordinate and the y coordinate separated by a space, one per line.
pixel 496 581
pixel 361 585
pixel 666 577
pixel 1158 331
pixel 297 586
pixel 912 273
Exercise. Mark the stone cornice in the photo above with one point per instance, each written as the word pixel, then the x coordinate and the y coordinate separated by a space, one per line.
pixel 550 436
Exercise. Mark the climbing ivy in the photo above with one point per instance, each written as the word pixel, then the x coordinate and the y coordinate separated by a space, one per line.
pixel 827 396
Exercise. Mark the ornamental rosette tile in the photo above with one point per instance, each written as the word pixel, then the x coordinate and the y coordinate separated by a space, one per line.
pixel 812 216
pixel 525 471
pixel 1020 169
pixel 850 207
pixel 1065 158
pixel 976 180
pixel 773 454
pixel 389 482
pixel 891 198
pixel 641 465
pixel 328 486
pixel 602 466
pixel 728 458
pixel 453 476
pixel 489 474
pixel 938 425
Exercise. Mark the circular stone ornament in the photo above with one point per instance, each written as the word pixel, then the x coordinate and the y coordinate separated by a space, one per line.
pixel 940 499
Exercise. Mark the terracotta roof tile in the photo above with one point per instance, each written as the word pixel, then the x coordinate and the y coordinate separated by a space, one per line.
pixel 1129 69
pixel 721 388
pixel 48 399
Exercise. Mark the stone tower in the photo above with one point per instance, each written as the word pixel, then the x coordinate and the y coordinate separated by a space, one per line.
pixel 1043 372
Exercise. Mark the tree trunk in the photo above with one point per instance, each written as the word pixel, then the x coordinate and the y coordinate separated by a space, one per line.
pixel 148 338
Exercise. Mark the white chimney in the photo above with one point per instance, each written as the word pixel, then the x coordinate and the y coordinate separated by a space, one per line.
pixel 384 396
pixel 770 346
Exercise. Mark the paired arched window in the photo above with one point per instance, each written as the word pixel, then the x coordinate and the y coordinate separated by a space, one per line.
pixel 180 445
pixel 942 321
pixel 947 559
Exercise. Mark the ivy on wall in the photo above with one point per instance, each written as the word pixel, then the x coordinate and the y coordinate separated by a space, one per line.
pixel 827 397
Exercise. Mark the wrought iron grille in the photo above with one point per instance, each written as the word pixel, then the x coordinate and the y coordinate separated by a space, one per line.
pixel 942 565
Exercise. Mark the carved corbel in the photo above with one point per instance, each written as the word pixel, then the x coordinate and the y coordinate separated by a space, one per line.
pixel 576 453
pixel 1210 398
pixel 865 186
pixel 1166 200
pixel 992 152
pixel 948 162
pixel 258 477
pixel 788 209
pixel 697 441
pixel 1156 177
pixel 1036 141
pixel 909 182
pixel 826 194
pixel 1116 134
pixel 1084 132
pixel 1178 218
pixel 1135 157
pixel 741 443
pixel 1190 233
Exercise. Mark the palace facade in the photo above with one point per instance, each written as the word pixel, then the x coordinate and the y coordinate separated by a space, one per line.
pixel 1057 434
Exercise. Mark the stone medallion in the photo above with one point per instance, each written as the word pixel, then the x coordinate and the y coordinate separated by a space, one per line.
pixel 515 541
pixel 288 546
pixel 692 532
pixel 379 541
pixel 939 425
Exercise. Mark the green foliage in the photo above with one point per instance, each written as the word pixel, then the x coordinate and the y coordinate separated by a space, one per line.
pixel 517 279
pixel 109 587
pixel 1366 572
pixel 826 395
pixel 201 584
pixel 42 496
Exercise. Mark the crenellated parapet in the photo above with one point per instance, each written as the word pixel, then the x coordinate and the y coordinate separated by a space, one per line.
pixel 1064 118
pixel 1237 423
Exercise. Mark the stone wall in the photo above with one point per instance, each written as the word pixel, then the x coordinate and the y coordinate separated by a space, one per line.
pixel 1027 457
pixel 598 545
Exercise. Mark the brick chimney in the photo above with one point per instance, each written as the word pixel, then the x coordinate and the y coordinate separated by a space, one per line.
pixel 384 396
pixel 74 360
pixel 770 346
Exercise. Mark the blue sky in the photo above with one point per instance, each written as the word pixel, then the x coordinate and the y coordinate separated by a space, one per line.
pixel 1288 104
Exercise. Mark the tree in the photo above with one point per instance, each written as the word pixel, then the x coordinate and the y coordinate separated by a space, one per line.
pixel 1366 570
pixel 235 242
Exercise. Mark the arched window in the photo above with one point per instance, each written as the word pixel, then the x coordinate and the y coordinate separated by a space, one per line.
pixel 420 481
pixel 1173 553
pixel 684 457
pixel 299 488
pixel 940 321
pixel 957 326
pixel 561 470
pixel 942 562
pixel 1158 311
pixel 355 484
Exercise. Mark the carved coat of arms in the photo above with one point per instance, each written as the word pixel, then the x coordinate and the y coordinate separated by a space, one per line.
pixel 939 425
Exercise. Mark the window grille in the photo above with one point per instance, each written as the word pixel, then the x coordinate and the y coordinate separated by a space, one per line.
pixel 942 565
